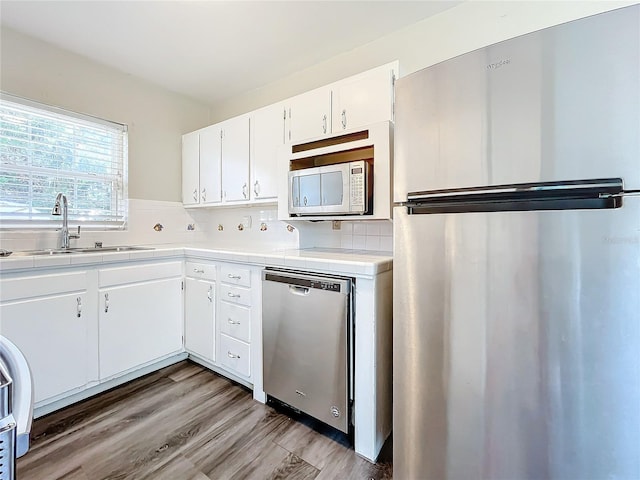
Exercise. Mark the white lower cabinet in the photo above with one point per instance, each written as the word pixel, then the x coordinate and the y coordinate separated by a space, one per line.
pixel 222 319
pixel 238 309
pixel 200 310
pixel 50 319
pixel 235 321
pixel 235 355
pixel 140 315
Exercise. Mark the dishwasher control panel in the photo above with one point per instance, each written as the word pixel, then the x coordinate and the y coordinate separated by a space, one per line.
pixel 316 283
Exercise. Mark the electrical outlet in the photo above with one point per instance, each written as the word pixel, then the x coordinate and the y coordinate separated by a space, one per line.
pixel 335 225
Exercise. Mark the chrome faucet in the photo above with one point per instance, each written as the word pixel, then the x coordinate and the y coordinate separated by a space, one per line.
pixel 60 208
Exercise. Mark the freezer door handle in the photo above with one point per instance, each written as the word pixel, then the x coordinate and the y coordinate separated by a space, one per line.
pixel 565 195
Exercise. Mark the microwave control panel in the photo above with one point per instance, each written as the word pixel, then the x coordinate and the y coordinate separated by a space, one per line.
pixel 358 186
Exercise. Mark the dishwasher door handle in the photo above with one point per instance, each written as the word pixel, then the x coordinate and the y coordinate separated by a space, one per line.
pixel 296 290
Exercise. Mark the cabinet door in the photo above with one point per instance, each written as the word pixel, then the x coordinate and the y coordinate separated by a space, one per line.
pixel 190 168
pixel 309 115
pixel 363 99
pixel 53 338
pixel 210 165
pixel 267 134
pixel 199 317
pixel 235 159
pixel 139 323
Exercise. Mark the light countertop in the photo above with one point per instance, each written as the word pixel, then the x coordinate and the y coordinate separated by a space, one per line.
pixel 354 262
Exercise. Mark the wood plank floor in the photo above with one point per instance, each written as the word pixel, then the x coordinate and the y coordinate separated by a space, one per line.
pixel 186 423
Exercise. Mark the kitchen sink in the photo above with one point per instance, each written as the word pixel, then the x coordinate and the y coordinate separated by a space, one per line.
pixel 66 251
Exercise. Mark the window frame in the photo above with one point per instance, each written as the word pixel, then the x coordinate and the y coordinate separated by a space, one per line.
pixel 113 217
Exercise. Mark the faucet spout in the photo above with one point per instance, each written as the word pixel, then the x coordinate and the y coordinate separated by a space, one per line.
pixel 61 207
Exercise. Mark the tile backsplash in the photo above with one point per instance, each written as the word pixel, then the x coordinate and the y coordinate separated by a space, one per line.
pixel 226 227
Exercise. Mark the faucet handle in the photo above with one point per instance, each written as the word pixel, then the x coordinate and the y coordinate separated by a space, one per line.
pixel 75 235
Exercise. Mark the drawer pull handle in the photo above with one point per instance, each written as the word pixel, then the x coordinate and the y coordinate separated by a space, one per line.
pixel 232 355
pixel 198 270
pixel 210 294
pixel 232 322
pixel 106 303
pixel 236 277
pixel 79 307
pixel 233 295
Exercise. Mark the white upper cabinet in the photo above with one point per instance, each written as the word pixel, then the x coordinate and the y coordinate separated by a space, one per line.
pixel 267 134
pixel 364 99
pixel 235 159
pixel 210 165
pixel 190 169
pixel 309 115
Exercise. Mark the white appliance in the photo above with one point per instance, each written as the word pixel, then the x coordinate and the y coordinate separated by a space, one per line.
pixel 516 349
pixel 16 407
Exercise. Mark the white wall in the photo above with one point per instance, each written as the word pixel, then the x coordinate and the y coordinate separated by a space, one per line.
pixel 463 28
pixel 156 117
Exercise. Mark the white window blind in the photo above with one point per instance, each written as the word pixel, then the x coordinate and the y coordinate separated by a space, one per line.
pixel 45 151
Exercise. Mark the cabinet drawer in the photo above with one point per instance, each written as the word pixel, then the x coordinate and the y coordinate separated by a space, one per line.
pixel 206 271
pixel 235 355
pixel 108 277
pixel 237 295
pixel 235 275
pixel 42 285
pixel 235 321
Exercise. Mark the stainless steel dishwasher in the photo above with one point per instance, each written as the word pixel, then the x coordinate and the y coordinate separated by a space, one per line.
pixel 307 332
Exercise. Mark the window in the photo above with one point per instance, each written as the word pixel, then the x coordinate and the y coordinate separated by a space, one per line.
pixel 45 151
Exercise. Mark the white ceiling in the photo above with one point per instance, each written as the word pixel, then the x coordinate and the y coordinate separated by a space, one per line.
pixel 212 50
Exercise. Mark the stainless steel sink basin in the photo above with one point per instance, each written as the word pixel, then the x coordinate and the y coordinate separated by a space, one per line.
pixel 123 248
pixel 49 251
pixel 67 251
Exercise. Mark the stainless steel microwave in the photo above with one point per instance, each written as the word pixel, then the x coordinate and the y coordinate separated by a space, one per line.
pixel 339 189
pixel 340 176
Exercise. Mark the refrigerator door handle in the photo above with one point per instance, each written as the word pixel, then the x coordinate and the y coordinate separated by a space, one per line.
pixel 566 195
pixel 623 193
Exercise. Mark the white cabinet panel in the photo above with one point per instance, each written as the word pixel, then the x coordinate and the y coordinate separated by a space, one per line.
pixel 53 339
pixel 237 295
pixel 267 134
pixel 199 320
pixel 203 270
pixel 235 321
pixel 235 159
pixel 235 355
pixel 363 99
pixel 235 275
pixel 210 165
pixel 190 169
pixel 309 115
pixel 139 323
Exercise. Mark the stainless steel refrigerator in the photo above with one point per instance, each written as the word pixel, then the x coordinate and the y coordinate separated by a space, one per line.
pixel 517 259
